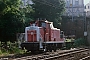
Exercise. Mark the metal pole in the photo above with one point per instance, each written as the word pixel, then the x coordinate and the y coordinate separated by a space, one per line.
pixel 72 10
pixel 85 26
pixel 85 22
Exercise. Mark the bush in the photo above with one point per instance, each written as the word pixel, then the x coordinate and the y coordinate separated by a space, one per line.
pixel 80 42
pixel 10 48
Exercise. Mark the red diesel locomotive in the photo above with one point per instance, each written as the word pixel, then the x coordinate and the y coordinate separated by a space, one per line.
pixel 41 35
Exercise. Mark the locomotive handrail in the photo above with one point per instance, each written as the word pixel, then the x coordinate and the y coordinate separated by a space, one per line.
pixel 40 36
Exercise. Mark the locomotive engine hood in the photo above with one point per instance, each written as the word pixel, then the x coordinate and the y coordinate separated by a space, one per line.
pixel 32 28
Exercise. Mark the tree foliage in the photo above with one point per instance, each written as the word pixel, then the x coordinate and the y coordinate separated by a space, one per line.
pixel 28 14
pixel 49 9
pixel 11 19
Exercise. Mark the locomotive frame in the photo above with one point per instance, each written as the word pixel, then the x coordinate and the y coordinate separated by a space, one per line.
pixel 42 36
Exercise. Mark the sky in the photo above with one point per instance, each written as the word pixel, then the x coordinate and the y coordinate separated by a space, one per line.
pixel 86 1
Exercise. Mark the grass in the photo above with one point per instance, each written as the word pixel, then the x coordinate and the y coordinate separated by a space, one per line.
pixel 10 48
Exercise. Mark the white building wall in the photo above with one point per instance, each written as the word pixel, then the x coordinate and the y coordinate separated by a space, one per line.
pixel 74 7
pixel 87 9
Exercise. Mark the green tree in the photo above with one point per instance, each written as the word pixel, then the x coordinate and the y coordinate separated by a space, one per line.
pixel 11 19
pixel 49 9
pixel 28 14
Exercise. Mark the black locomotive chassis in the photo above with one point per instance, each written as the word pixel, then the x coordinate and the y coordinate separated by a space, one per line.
pixel 35 46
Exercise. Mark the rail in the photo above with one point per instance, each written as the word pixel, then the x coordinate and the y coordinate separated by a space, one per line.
pixel 69 54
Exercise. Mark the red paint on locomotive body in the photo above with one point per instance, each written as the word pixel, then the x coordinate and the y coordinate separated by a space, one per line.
pixel 42 35
pixel 47 32
pixel 31 36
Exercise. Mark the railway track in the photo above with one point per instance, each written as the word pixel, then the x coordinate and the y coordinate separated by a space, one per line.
pixel 74 54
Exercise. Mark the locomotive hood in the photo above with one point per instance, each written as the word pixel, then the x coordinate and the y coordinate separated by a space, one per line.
pixel 32 28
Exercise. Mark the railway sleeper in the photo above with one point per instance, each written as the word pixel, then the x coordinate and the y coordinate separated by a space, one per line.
pixel 87 57
pixel 55 56
pixel 76 54
pixel 71 58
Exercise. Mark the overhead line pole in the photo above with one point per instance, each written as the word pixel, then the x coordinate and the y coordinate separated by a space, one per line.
pixel 72 10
